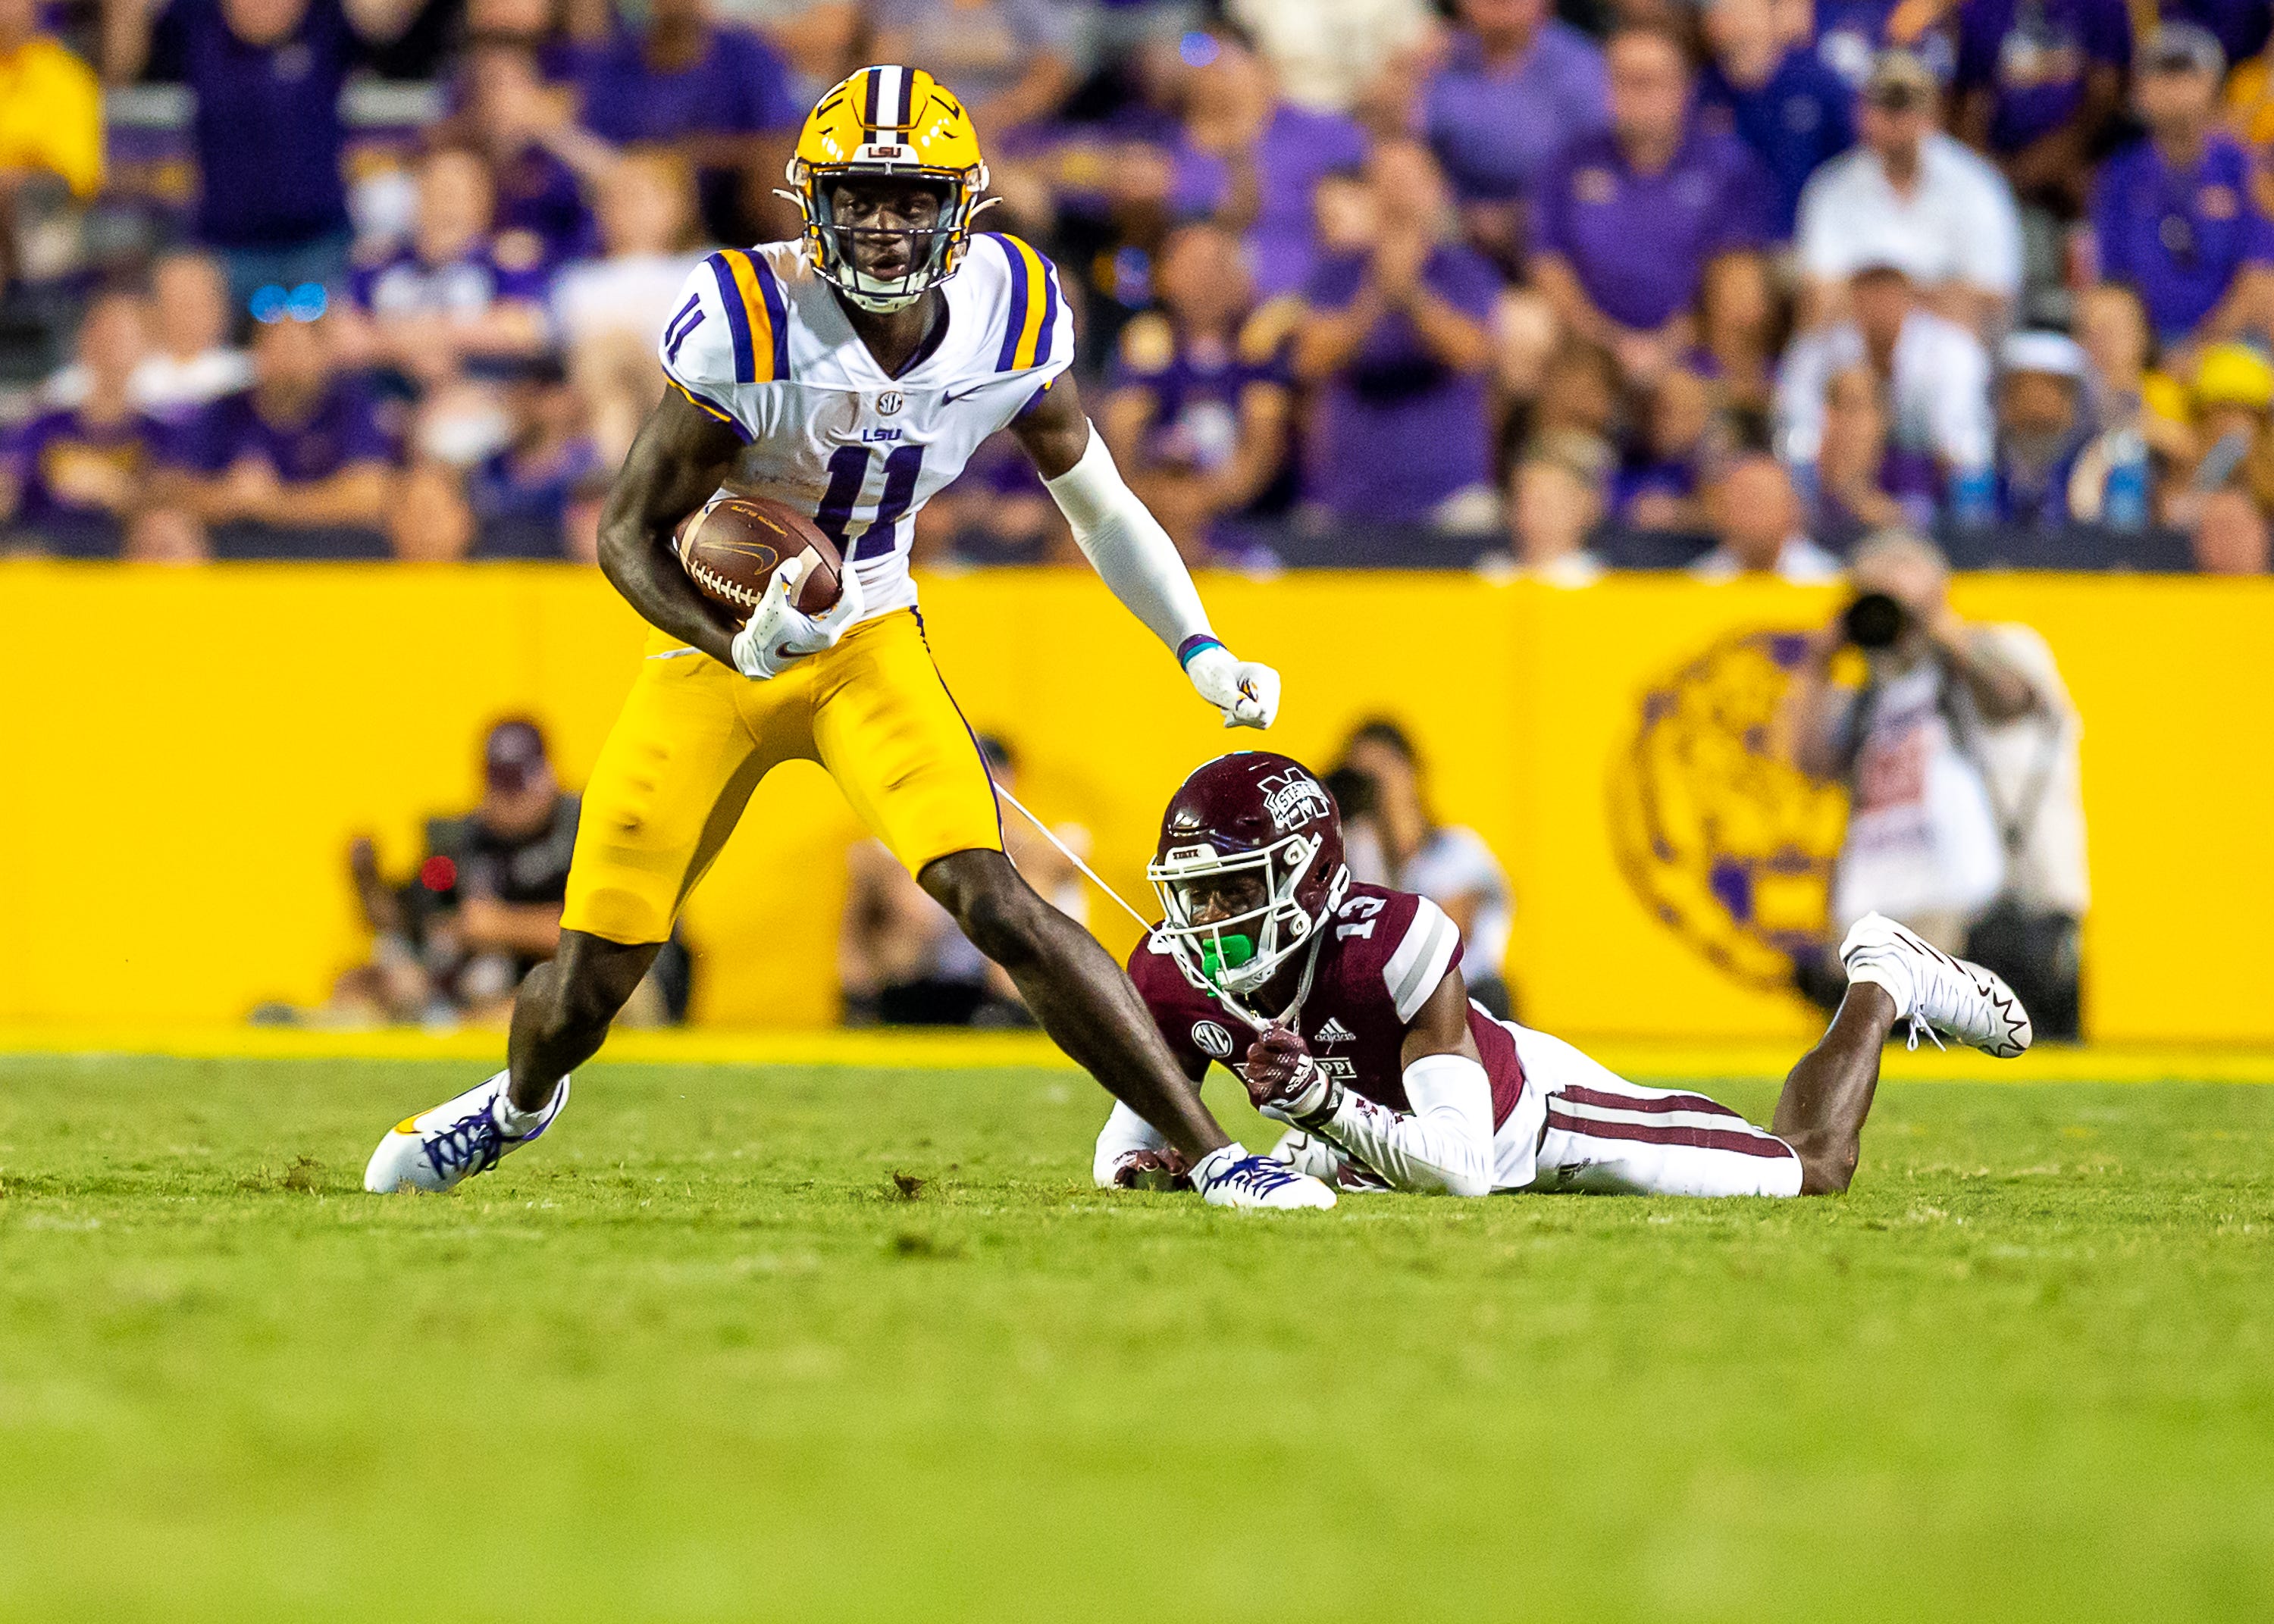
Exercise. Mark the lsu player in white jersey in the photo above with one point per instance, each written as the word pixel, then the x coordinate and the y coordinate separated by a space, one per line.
pixel 850 373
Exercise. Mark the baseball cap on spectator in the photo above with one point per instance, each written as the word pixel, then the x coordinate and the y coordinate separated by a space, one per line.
pixel 2234 375
pixel 2055 355
pixel 513 758
pixel 2184 48
pixel 1900 81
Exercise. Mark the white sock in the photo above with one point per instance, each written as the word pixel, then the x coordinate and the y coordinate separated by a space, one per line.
pixel 1891 975
pixel 512 1121
pixel 1211 1166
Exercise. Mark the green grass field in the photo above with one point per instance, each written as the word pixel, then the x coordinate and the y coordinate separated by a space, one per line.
pixel 841 1344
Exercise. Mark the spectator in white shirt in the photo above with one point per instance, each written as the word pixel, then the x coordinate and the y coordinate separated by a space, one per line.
pixel 1932 373
pixel 606 311
pixel 1914 197
pixel 1446 862
pixel 191 363
pixel 1756 514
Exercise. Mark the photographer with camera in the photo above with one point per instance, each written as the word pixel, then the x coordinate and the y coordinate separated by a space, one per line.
pixel 1959 751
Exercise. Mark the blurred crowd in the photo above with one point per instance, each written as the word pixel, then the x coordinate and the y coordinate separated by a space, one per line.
pixel 1721 284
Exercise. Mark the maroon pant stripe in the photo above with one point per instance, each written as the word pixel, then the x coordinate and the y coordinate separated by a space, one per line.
pixel 1657 1104
pixel 1671 1133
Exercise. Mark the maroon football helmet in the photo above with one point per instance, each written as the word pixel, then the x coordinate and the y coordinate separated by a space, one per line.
pixel 1260 823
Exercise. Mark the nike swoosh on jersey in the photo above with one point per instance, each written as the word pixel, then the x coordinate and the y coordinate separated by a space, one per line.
pixel 947 399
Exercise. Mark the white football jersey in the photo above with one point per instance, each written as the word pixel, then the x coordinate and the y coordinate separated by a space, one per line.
pixel 759 341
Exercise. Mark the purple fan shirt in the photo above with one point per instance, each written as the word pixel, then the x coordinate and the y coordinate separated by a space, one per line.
pixel 1398 431
pixel 402 284
pixel 1496 129
pixel 2179 238
pixel 738 86
pixel 1639 244
pixel 1297 150
pixel 268 129
pixel 36 456
pixel 343 429
pixel 1800 116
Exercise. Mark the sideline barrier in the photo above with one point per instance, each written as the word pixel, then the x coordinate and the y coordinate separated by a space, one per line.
pixel 185 754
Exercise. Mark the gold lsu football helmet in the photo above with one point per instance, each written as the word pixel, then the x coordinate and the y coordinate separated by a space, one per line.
pixel 903 123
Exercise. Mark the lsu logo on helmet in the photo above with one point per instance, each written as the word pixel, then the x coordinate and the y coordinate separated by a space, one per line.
pixel 888 121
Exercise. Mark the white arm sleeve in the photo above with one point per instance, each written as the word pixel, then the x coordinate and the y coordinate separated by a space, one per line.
pixel 1125 1131
pixel 1127 546
pixel 1445 1145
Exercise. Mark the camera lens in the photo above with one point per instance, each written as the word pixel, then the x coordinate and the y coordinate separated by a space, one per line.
pixel 1874 621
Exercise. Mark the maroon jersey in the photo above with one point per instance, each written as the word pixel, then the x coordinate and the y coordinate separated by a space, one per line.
pixel 1385 952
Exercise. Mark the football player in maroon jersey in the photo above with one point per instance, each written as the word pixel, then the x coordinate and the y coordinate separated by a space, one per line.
pixel 1342 1008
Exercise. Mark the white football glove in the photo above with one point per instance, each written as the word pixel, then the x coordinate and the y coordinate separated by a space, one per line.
pixel 779 633
pixel 1246 693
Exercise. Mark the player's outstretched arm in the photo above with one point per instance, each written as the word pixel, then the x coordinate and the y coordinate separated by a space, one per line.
pixel 681 456
pixel 1444 1146
pixel 1133 555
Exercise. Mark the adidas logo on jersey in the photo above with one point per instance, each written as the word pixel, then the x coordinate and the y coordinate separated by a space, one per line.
pixel 1335 1032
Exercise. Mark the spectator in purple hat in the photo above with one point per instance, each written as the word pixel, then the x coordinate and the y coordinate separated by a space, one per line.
pixel 1395 341
pixel 296 466
pixel 454 292
pixel 71 479
pixel 2038 82
pixel 1638 227
pixel 1516 85
pixel 1775 95
pixel 1252 160
pixel 2177 217
pixel 1200 406
pixel 710 93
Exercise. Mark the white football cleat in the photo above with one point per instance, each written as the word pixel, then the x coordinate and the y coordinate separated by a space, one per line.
pixel 438 1150
pixel 1954 996
pixel 1228 1176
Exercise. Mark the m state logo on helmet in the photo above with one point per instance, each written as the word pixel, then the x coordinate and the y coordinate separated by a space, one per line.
pixel 900 121
pixel 1251 813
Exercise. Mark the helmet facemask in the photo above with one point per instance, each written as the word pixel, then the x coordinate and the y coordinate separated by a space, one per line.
pixel 1240 952
pixel 934 251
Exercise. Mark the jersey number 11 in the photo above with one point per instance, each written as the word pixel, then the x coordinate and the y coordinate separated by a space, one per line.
pixel 848 473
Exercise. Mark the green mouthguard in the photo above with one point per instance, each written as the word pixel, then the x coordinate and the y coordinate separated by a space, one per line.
pixel 1221 953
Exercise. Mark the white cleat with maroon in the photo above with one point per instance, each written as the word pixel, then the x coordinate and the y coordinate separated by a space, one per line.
pixel 1954 996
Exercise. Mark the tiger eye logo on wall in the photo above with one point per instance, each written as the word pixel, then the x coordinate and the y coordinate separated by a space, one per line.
pixel 1722 840
pixel 1211 1039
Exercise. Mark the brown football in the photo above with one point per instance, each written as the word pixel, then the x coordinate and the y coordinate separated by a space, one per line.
pixel 731 547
